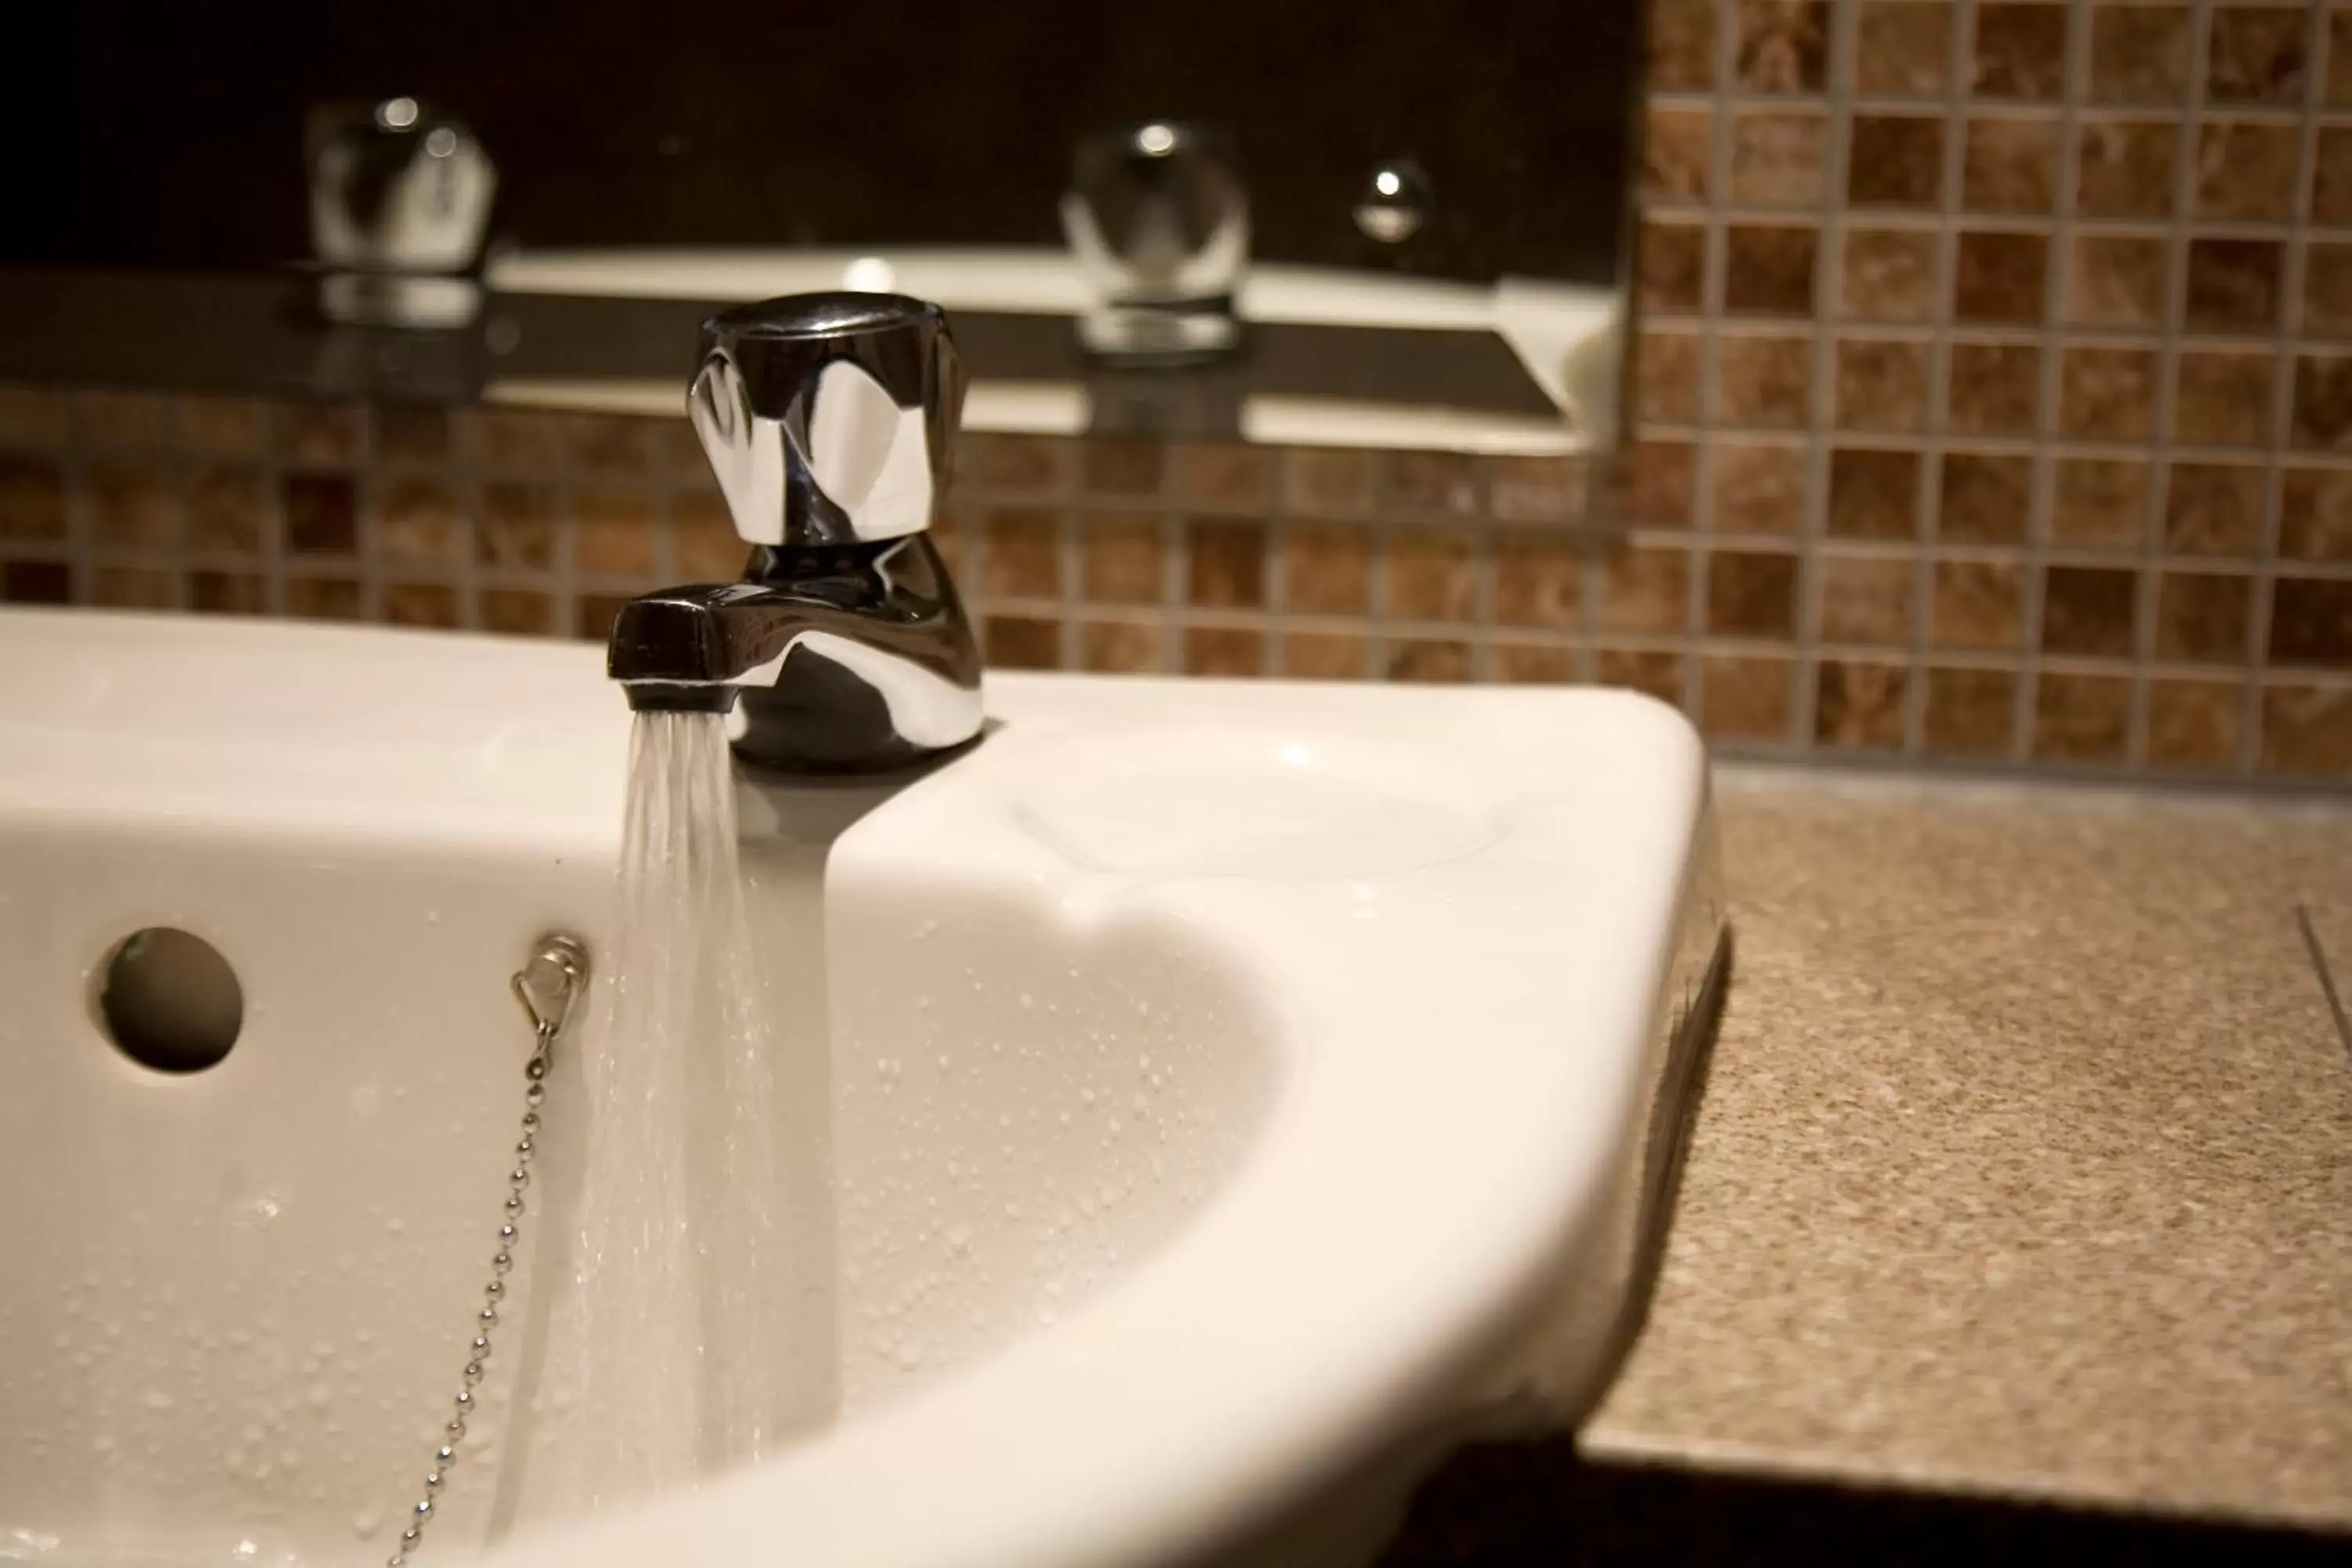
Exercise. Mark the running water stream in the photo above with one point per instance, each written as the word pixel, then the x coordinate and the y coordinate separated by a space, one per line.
pixel 657 1369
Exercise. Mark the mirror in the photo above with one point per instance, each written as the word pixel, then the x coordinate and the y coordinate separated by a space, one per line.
pixel 1403 226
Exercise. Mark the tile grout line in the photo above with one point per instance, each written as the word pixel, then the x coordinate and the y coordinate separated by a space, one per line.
pixel 1822 412
pixel 1715 290
pixel 2320 965
pixel 1927 490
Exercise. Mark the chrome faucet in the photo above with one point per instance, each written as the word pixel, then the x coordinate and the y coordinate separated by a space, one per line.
pixel 828 419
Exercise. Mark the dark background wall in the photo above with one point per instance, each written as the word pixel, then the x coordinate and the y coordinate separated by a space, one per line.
pixel 142 135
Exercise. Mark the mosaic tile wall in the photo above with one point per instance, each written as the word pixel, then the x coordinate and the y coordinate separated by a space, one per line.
pixel 1994 406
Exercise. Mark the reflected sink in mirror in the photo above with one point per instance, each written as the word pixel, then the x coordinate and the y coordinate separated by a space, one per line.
pixel 1203 1102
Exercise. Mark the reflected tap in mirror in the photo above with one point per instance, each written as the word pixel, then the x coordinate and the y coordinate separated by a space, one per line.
pixel 399 198
pixel 1157 216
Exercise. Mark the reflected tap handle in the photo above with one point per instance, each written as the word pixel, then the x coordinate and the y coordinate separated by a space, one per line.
pixel 1157 216
pixel 396 187
pixel 828 417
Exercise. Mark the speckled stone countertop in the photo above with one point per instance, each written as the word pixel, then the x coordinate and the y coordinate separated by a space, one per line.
pixel 2024 1165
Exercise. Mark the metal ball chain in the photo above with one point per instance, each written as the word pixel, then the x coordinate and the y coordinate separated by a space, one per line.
pixel 547 1023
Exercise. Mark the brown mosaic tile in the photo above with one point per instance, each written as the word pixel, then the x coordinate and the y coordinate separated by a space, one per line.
pixel 1859 705
pixel 1666 377
pixel 1023 559
pixel 1995 389
pixel 2193 725
pixel 1681 44
pixel 2139 54
pixel 2101 502
pixel 216 593
pixel 428 605
pixel 1225 478
pixel 229 510
pixel 33 418
pixel 324 598
pixel 703 544
pixel 1769 268
pixel 2323 402
pixel 516 526
pixel 1894 161
pixel 616 530
pixel 1537 579
pixel 592 615
pixel 221 427
pixel 1537 489
pixel 2327 290
pixel 1779 157
pixel 1783 45
pixel 35 582
pixel 1318 483
pixel 2124 168
pixel 120 420
pixel 419 519
pixel 2081 718
pixel 1533 663
pixel 1863 599
pixel 1977 605
pixel 1888 274
pixel 2314 515
pixel 1433 575
pixel 517 612
pixel 2255 55
pixel 2306 731
pixel 1430 484
pixel 1652 483
pixel 2090 610
pixel 412 435
pixel 1873 493
pixel 1677 154
pixel 1122 467
pixel 2118 281
pixel 2246 169
pixel 1223 651
pixel 1752 594
pixel 136 588
pixel 511 439
pixel 2223 398
pixel 2311 622
pixel 1428 661
pixel 1762 382
pixel 2107 394
pixel 1022 642
pixel 330 435
pixel 1882 383
pixel 1658 675
pixel 1670 267
pixel 1970 712
pixel 1759 486
pixel 1746 697
pixel 1325 656
pixel 32 498
pixel 2338 84
pixel 2214 509
pixel 2000 276
pixel 612 444
pixel 1643 588
pixel 1122 559
pixel 1902 49
pixel 133 505
pixel 1227 563
pixel 1118 648
pixel 682 456
pixel 1326 570
pixel 2233 285
pixel 1019 468
pixel 2009 164
pixel 1987 497
pixel 2021 51
pixel 2201 617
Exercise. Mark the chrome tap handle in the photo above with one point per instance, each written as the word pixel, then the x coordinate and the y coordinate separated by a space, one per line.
pixel 828 417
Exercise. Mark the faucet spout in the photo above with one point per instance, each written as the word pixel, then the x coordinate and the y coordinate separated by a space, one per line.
pixel 852 658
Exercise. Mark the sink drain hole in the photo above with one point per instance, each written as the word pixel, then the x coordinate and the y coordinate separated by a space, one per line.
pixel 170 1001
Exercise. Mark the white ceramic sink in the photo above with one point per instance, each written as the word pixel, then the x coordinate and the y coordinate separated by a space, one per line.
pixel 1207 1099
